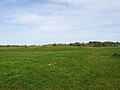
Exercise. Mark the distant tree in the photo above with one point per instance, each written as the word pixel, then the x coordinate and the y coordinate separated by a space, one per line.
pixel 54 44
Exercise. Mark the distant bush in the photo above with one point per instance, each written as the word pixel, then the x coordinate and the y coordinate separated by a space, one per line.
pixel 96 44
pixel 116 55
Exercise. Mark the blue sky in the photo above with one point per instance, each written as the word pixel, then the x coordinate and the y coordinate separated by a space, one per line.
pixel 59 21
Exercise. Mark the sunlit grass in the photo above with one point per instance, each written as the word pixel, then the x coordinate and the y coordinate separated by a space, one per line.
pixel 60 68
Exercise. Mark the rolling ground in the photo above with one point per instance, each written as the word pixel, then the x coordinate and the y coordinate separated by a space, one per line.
pixel 59 68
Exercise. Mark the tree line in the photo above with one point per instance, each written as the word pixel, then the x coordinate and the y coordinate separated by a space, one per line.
pixel 89 44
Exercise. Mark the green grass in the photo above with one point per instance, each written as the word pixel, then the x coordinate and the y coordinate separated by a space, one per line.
pixel 60 68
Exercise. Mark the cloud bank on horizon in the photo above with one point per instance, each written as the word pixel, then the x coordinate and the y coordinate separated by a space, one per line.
pixel 60 21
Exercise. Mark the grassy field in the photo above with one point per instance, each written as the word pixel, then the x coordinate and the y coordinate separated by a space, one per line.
pixel 60 68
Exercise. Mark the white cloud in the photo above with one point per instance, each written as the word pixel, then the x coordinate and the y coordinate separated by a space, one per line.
pixel 26 18
pixel 39 23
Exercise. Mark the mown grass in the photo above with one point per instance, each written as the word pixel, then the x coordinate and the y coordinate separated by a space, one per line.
pixel 60 68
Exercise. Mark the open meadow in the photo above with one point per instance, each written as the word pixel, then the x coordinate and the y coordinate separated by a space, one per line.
pixel 59 68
